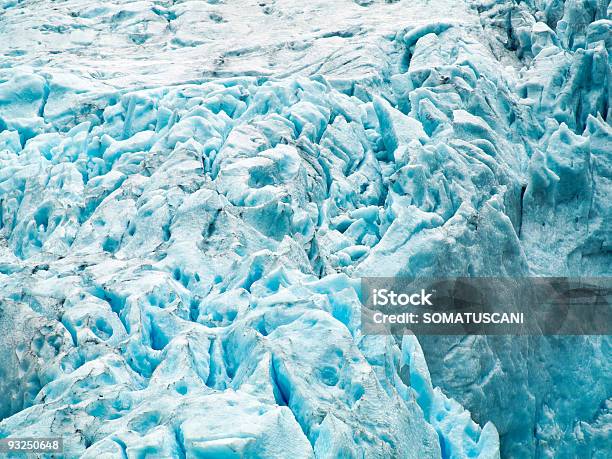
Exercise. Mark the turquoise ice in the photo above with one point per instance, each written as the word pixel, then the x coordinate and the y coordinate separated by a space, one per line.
pixel 190 192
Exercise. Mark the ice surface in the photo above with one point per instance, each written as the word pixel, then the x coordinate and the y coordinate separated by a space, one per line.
pixel 190 191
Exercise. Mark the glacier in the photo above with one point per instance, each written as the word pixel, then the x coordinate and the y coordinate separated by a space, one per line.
pixel 190 192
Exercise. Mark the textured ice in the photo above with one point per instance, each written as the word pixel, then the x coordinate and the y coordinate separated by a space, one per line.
pixel 190 191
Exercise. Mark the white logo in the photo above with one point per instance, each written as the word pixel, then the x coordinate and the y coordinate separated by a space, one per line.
pixel 384 297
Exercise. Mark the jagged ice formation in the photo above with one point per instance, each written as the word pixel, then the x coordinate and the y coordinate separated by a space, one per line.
pixel 191 190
